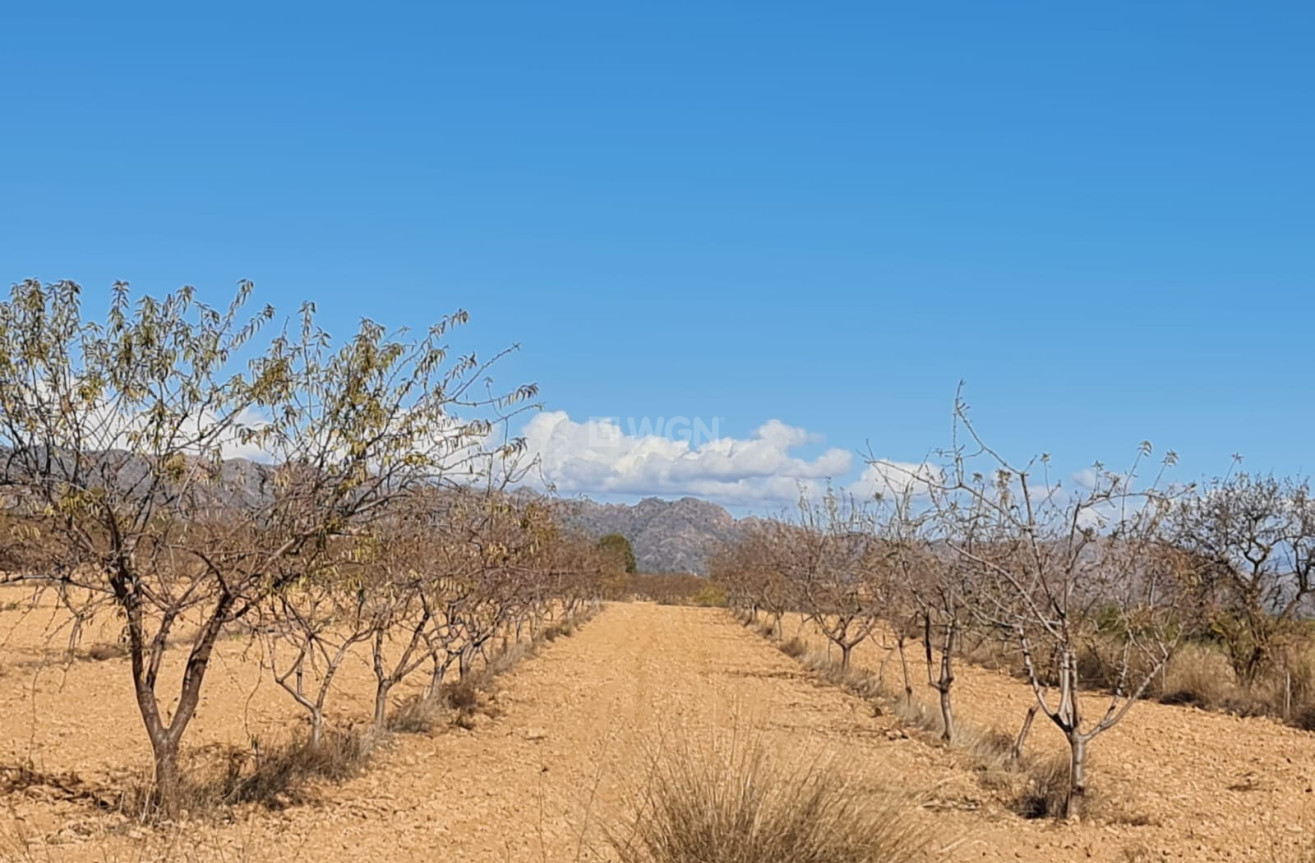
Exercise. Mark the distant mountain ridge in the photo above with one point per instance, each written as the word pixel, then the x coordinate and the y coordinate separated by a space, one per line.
pixel 667 535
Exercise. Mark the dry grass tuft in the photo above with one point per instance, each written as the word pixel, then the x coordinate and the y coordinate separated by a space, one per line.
pixel 461 695
pixel 916 714
pixel 280 777
pixel 67 785
pixel 793 648
pixel 1198 675
pixel 1304 718
pixel 735 807
pixel 988 748
pixel 1046 789
pixel 103 652
pixel 275 778
pixel 417 715
pixel 561 629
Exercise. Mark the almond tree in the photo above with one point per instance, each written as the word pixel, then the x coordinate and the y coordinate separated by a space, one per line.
pixel 828 557
pixel 319 621
pixel 1050 561
pixel 1252 539
pixel 115 436
pixel 753 571
pixel 918 584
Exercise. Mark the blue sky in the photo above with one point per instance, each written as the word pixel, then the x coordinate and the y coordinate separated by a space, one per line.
pixel 1101 217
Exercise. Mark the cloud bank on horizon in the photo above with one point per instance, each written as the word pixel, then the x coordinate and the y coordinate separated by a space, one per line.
pixel 598 457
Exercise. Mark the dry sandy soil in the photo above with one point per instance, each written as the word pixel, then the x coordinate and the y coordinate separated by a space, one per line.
pixel 582 722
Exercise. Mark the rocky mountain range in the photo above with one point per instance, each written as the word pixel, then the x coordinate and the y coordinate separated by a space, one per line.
pixel 667 535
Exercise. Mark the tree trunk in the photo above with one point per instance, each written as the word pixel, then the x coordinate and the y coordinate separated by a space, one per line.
pixel 168 780
pixel 165 739
pixel 1077 775
pixel 1021 740
pixel 844 656
pixel 904 668
pixel 381 704
pixel 946 682
pixel 947 713
pixel 436 678
pixel 316 727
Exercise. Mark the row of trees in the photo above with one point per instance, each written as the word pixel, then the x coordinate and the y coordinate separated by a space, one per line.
pixel 1117 566
pixel 373 513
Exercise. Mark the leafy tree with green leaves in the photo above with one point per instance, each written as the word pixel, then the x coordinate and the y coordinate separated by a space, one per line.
pixel 115 446
pixel 619 547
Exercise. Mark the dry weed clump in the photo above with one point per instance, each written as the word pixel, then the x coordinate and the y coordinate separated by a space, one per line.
pixel 1200 676
pixel 67 785
pixel 794 648
pixel 104 652
pixel 738 807
pixel 417 715
pixel 282 775
pixel 274 777
pixel 1045 791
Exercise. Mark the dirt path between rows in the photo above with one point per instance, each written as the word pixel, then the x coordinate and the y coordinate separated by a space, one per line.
pixel 580 725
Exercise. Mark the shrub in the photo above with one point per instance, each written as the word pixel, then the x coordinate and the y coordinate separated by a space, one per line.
pixel 1198 675
pixel 711 596
pixel 619 549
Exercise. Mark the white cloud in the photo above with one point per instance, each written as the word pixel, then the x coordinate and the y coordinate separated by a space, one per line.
pixel 895 478
pixel 105 424
pixel 1086 478
pixel 599 457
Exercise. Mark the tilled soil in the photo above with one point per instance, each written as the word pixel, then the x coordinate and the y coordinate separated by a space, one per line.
pixel 579 727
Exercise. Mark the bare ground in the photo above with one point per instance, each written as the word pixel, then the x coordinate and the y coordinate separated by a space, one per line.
pixel 580 725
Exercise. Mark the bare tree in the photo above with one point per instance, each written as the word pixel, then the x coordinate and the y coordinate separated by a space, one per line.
pixel 827 556
pixel 753 571
pixel 320 621
pixel 917 583
pixel 1051 561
